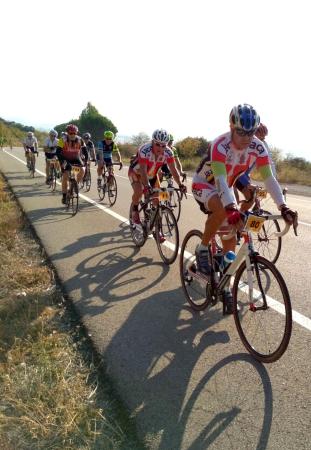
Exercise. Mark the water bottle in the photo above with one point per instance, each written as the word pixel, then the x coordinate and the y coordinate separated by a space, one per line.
pixel 229 257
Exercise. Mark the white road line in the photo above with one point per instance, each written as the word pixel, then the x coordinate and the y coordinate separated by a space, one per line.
pixel 297 317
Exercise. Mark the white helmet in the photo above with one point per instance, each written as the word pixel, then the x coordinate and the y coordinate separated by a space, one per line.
pixel 53 133
pixel 161 136
pixel 30 134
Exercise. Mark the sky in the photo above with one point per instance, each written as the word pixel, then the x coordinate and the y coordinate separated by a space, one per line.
pixel 147 64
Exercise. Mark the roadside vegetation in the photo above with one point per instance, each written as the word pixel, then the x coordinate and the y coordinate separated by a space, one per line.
pixel 54 391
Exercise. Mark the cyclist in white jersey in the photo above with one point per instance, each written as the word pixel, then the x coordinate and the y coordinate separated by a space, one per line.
pixel 50 147
pixel 231 155
pixel 30 144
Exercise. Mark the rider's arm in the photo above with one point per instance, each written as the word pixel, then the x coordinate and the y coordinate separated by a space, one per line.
pixel 117 152
pixel 220 175
pixel 272 185
pixel 143 174
pixel 173 170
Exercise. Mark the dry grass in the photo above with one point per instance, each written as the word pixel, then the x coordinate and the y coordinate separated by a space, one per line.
pixel 52 396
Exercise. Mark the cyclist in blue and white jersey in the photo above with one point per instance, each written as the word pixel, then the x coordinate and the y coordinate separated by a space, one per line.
pixel 106 148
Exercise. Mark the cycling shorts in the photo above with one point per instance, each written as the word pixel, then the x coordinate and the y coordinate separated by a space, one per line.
pixel 31 149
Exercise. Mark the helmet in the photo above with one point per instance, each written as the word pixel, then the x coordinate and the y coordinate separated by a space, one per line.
pixel 53 133
pixel 30 134
pixel 108 135
pixel 86 136
pixel 63 134
pixel 161 136
pixel 262 131
pixel 244 117
pixel 171 138
pixel 72 129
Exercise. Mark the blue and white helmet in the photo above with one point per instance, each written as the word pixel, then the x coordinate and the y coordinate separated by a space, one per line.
pixel 244 117
pixel 53 133
pixel 161 136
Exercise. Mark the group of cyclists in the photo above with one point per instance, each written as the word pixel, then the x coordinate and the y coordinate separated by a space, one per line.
pixel 225 168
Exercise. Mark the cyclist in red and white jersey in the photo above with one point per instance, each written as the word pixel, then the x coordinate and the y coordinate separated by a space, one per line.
pixel 231 155
pixel 30 144
pixel 71 150
pixel 144 167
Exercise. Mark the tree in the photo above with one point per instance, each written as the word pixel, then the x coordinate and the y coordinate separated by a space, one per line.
pixel 91 121
pixel 191 147
pixel 139 139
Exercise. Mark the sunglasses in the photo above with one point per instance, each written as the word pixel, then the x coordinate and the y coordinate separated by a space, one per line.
pixel 160 145
pixel 241 132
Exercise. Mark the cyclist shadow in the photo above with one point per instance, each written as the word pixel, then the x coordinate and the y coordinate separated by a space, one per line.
pixel 157 358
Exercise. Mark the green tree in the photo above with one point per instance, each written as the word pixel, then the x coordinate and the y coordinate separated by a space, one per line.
pixel 91 121
pixel 191 147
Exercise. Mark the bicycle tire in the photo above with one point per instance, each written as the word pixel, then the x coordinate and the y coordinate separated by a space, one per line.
pixel 165 226
pixel 269 345
pixel 175 203
pixel 112 188
pixel 73 197
pixel 103 188
pixel 195 288
pixel 32 167
pixel 88 179
pixel 265 243
pixel 53 179
pixel 138 233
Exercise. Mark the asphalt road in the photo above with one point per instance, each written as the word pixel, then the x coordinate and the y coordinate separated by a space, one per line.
pixel 185 377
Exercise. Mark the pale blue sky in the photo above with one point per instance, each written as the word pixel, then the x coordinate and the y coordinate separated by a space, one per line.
pixel 147 64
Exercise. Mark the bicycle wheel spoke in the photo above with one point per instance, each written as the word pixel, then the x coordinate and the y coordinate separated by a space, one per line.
pixel 264 329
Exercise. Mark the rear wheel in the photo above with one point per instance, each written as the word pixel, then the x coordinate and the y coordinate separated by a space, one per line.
pixel 167 235
pixel 138 232
pixel 265 242
pixel 264 316
pixel 195 286
pixel 112 190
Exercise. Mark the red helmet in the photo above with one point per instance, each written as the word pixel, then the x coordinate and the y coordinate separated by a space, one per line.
pixel 72 129
pixel 261 131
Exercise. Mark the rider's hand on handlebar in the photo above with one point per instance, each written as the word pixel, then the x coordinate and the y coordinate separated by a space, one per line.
pixel 290 217
pixel 183 188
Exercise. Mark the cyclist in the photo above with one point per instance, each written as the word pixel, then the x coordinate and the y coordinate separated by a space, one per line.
pixel 144 167
pixel 165 170
pixel 71 150
pixel 231 155
pixel 104 153
pixel 50 146
pixel 30 144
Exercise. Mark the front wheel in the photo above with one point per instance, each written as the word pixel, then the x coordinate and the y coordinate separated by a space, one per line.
pixel 265 242
pixel 195 286
pixel 262 309
pixel 167 235
pixel 175 203
pixel 112 190
pixel 88 179
pixel 53 179
pixel 73 197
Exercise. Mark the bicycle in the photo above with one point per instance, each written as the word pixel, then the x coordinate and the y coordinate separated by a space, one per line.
pixel 32 163
pixel 158 220
pixel 54 173
pixel 108 184
pixel 175 195
pixel 72 197
pixel 261 303
pixel 87 179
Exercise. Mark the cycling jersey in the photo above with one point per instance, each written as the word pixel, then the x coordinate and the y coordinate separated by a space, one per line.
pixel 71 150
pixel 107 149
pixel 51 145
pixel 145 156
pixel 225 164
pixel 30 142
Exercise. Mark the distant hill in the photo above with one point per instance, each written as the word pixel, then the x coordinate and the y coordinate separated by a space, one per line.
pixel 13 133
